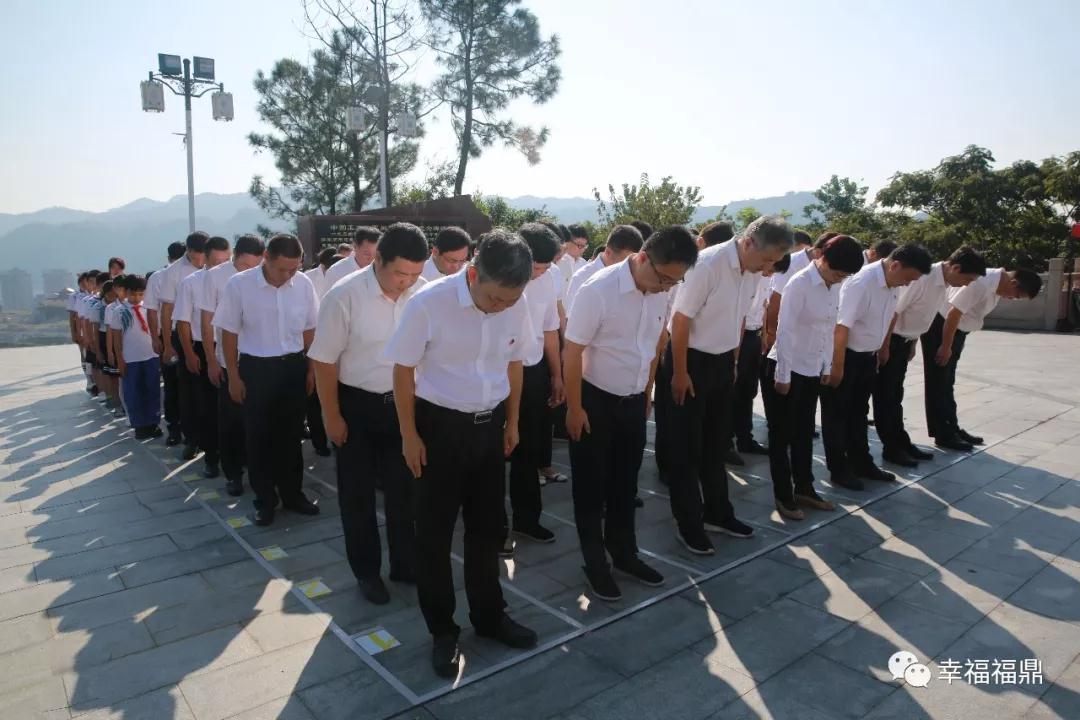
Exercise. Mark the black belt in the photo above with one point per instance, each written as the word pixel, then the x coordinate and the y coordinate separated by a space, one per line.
pixel 754 331
pixel 613 396
pixel 387 398
pixel 269 358
pixel 477 418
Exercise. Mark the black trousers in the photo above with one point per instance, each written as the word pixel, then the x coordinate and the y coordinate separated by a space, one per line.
pixel 741 427
pixel 605 465
pixel 373 447
pixel 206 426
pixel 465 470
pixel 230 426
pixel 661 401
pixel 695 439
pixel 170 377
pixel 315 421
pixel 941 421
pixel 844 411
pixel 534 422
pixel 889 396
pixel 190 398
pixel 791 432
pixel 274 426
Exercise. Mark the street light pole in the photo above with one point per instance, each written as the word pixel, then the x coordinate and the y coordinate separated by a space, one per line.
pixel 190 150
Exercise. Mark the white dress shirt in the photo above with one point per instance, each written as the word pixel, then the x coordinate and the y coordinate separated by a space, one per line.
pixel 620 328
pixel 755 316
pixel 430 271
pixel 212 287
pixel 580 277
pixel 317 276
pixel 341 269
pixel 355 322
pixel 866 308
pixel 186 308
pixel 568 266
pixel 541 297
pixel 460 353
pixel 150 297
pixel 919 302
pixel 135 343
pixel 269 321
pixel 778 281
pixel 975 300
pixel 715 296
pixel 804 331
pixel 169 284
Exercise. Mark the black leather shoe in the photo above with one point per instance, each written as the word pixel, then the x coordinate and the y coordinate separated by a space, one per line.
pixel 846 480
pixel 752 447
pixel 323 452
pixel 732 457
pixel 374 590
pixel 445 656
pixel 875 473
pixel 634 567
pixel 210 472
pixel 509 633
pixel 919 453
pixel 968 437
pixel 602 584
pixel 190 451
pixel 537 533
pixel 899 458
pixel 302 506
pixel 262 518
pixel 954 443
pixel 234 486
pixel 173 440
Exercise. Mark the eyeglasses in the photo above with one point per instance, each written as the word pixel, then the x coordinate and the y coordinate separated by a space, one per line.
pixel 664 280
pixel 579 245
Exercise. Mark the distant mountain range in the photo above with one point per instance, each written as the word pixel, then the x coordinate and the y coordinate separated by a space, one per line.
pixel 139 231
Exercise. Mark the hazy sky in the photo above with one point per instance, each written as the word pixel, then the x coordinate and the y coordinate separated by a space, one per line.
pixel 745 99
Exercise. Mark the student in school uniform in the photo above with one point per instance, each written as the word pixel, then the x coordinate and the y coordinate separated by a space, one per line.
pixel 798 364
pixel 138 362
pixel 916 308
pixel 457 355
pixel 613 338
pixel 963 313
pixel 72 307
pixel 449 253
pixel 199 395
pixel 247 254
pixel 99 333
pixel 267 318
pixel 83 312
pixel 355 385
pixel 867 302
pixel 365 239
pixel 706 330
pixel 112 340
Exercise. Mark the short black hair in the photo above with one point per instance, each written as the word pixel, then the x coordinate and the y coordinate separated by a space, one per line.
pixel 559 231
pixel 1029 281
pixel 196 241
pixel 642 227
pixel 92 275
pixel 717 232
pixel 327 257
pixel 625 237
pixel 106 287
pixel 824 238
pixel 366 234
pixel 217 243
pixel 543 242
pixel 843 253
pixel 579 231
pixel 884 248
pixel 502 257
pixel 672 244
pixel 175 251
pixel 783 264
pixel 118 261
pixel 284 245
pixel 452 238
pixel 969 260
pixel 249 245
pixel 344 247
pixel 134 283
pixel 118 281
pixel 403 240
pixel 802 237
pixel 913 255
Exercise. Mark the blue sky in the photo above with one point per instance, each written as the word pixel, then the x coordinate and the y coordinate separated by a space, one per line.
pixel 744 99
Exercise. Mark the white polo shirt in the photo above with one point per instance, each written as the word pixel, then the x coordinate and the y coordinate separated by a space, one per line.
pixel 580 277
pixel 136 345
pixel 541 297
pixel 620 327
pixel 866 308
pixel 317 276
pixel 73 299
pixel 355 322
pixel 341 269
pixel 778 281
pixel 268 321
pixel 213 284
pixel 715 296
pixel 804 331
pixel 975 300
pixel 460 353
pixel 169 285
pixel 919 302
pixel 110 313
pixel 186 307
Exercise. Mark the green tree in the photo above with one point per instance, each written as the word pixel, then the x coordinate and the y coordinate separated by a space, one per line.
pixel 492 53
pixel 437 183
pixel 838 196
pixel 659 205
pixel 745 216
pixel 502 215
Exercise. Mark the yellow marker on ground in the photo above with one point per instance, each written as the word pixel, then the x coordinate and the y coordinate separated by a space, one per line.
pixel 314 588
pixel 273 552
pixel 209 495
pixel 238 522
pixel 375 641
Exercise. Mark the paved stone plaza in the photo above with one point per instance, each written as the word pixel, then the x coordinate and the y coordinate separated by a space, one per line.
pixel 131 588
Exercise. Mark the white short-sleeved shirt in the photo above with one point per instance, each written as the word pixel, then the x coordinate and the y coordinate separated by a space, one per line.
pixel 431 270
pixel 620 327
pixel 110 313
pixel 150 297
pixel 755 315
pixel 715 296
pixel 186 307
pixel 136 344
pixel 268 321
pixel 171 277
pixel 317 276
pixel 805 329
pixel 799 260
pixel 356 321
pixel 580 277
pixel 866 308
pixel 975 301
pixel 213 284
pixel 341 269
pixel 460 353
pixel 541 297
pixel 72 299
pixel 82 307
pixel 919 302
pixel 568 266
